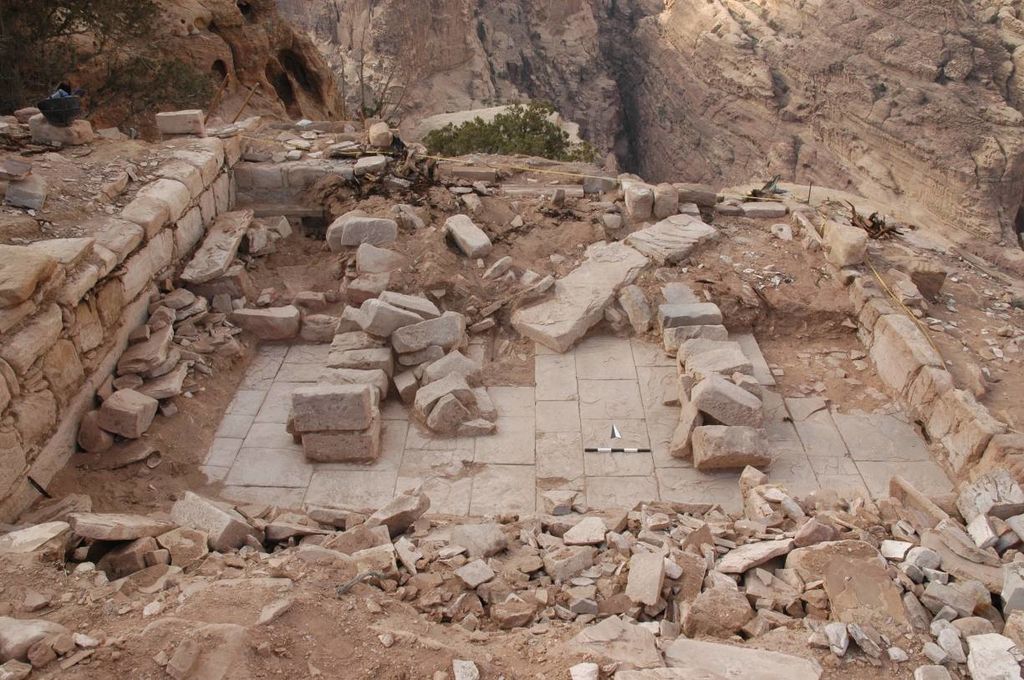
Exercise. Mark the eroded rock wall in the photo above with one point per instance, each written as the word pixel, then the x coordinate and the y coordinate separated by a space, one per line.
pixel 912 102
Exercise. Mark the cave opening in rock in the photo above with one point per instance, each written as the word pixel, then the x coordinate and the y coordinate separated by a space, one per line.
pixel 283 86
pixel 219 69
pixel 1018 226
pixel 297 69
pixel 247 10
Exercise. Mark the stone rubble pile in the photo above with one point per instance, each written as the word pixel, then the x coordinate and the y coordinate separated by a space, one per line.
pixel 660 586
pixel 162 361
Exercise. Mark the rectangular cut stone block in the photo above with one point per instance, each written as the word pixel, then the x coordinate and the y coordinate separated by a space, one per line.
pixel 699 314
pixel 77 133
pixel 171 193
pixel 127 413
pixel 29 193
pixel 646 578
pixel 189 122
pixel 716 447
pixel 470 239
pixel 21 271
pixel 334 407
pixel 900 350
pixel 219 248
pixel 362 446
pixel 447 331
pixel 673 239
pixel 672 337
pixel 701 194
pixel 140 269
pixel 379 358
pixel 724 361
pixel 727 403
pixel 353 376
pixel 413 303
pixel 580 299
pixel 765 209
pixel 845 245
pixel 185 173
pixel 274 323
pixel 21 349
pixel 355 228
pixel 964 427
pixel 382 319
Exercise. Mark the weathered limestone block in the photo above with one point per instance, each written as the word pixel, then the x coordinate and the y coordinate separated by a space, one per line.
pixel 672 338
pixel 378 358
pixel 727 403
pixel 428 396
pixel 696 314
pixel 334 407
pixel 380 135
pixel 964 427
pixel 78 133
pixel 700 194
pixel 413 303
pixel 171 193
pixel 127 413
pixel 250 176
pixel 373 260
pixel 469 238
pixel 188 122
pixel 637 308
pixel 716 447
pixel 35 414
pixel 453 363
pixel 140 269
pixel 116 526
pixel 639 199
pixel 63 369
pixel 91 437
pixel 22 270
pixel 845 245
pixel 29 193
pixel 352 376
pixel 673 239
pixel 219 249
pixel 185 173
pixel 21 349
pixel 226 529
pixel 144 356
pixel 119 236
pixel 900 350
pixel 353 446
pixel 382 319
pixel 447 331
pixel 355 228
pixel 579 299
pixel 272 323
pixel 764 210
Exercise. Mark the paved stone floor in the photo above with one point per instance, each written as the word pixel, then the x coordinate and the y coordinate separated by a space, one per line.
pixel 542 432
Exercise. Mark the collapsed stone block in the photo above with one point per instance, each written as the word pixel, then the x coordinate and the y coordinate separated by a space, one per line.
pixel 273 323
pixel 355 228
pixel 639 198
pixel 382 319
pixel 671 338
pixel 469 238
pixel 845 245
pixel 717 447
pixel 188 122
pixel 727 403
pixel 899 350
pixel 225 528
pixel 352 376
pixel 447 331
pixel 127 413
pixel 29 193
pixel 698 314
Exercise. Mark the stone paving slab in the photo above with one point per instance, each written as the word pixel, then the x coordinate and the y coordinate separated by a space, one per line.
pixel 542 432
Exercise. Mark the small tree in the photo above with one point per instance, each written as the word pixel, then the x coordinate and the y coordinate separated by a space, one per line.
pixel 43 41
pixel 525 130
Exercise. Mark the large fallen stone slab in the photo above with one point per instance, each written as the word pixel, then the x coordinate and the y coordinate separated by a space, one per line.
pixel 726 402
pixel 356 228
pixel 626 643
pixel 730 661
pixel 400 513
pixel 579 299
pixel 116 527
pixel 673 239
pixel 992 657
pixel 219 248
pixel 750 555
pixel 39 537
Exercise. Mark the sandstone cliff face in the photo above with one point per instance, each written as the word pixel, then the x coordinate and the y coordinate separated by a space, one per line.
pixel 912 102
pixel 249 40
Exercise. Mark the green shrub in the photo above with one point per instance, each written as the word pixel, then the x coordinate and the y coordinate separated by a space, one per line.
pixel 523 130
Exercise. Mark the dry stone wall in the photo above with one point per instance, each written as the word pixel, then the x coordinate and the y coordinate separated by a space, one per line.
pixel 67 307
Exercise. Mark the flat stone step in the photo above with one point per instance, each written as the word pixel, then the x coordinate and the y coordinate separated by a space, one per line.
pixel 581 297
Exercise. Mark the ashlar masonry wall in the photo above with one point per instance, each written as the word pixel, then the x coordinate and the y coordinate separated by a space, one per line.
pixel 67 307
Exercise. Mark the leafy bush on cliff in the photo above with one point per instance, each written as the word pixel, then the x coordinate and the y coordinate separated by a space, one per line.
pixel 46 42
pixel 524 130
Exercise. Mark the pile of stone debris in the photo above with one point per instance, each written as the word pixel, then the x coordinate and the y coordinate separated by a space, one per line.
pixel 663 586
pixel 161 362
